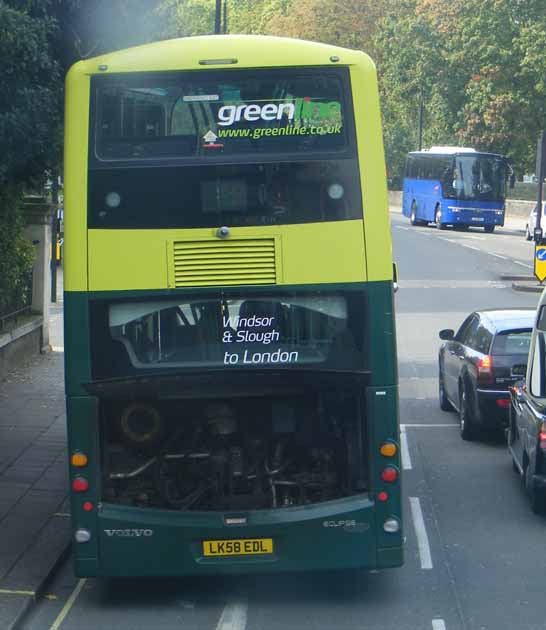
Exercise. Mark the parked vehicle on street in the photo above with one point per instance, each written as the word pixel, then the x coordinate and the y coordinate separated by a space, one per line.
pixel 526 433
pixel 532 221
pixel 455 186
pixel 479 363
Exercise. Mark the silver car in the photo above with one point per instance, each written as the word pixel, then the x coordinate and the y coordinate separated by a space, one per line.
pixel 532 221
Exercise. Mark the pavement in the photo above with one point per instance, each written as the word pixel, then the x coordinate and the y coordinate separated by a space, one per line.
pixel 34 518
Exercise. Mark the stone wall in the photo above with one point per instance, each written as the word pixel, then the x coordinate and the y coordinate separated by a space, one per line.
pixel 19 344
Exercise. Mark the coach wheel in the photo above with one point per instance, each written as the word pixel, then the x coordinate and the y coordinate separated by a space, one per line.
pixel 413 214
pixel 438 219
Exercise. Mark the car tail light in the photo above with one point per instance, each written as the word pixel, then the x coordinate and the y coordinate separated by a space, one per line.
pixel 542 436
pixel 485 371
pixel 503 403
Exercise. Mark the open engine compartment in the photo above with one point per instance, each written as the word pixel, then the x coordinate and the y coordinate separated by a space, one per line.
pixel 238 452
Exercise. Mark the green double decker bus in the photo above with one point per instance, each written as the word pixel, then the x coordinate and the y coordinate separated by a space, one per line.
pixel 231 377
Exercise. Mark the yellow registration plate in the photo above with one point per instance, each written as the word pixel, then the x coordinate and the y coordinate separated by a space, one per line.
pixel 242 547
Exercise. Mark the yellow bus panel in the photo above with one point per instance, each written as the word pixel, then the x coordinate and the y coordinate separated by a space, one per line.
pixel 291 255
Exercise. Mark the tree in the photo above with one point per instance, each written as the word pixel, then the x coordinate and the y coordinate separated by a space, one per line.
pixel 481 66
pixel 30 115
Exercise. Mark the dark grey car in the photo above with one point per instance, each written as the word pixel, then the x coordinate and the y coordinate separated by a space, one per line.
pixel 479 363
pixel 527 424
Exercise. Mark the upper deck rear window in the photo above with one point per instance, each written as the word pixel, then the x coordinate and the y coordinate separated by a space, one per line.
pixel 206 114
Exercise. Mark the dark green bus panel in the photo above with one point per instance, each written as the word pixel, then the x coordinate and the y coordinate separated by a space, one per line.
pixel 275 463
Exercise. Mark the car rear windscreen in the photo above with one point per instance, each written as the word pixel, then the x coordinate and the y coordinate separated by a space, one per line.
pixel 512 342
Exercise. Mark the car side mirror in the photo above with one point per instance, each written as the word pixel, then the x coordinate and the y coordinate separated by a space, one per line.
pixel 447 334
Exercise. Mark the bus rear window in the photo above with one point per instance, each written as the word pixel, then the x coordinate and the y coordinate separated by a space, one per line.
pixel 212 114
pixel 209 195
pixel 319 330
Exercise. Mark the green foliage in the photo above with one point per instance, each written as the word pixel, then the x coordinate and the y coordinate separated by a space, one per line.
pixel 481 65
pixel 30 107
pixel 16 253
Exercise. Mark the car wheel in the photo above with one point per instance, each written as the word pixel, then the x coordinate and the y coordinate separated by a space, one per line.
pixel 413 214
pixel 438 219
pixel 528 235
pixel 537 499
pixel 489 229
pixel 466 422
pixel 445 405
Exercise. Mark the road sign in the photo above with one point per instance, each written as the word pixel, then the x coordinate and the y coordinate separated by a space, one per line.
pixel 540 262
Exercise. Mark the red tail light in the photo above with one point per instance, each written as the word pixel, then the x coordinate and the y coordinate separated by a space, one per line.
pixel 542 437
pixel 485 371
pixel 503 403
pixel 389 474
pixel 80 484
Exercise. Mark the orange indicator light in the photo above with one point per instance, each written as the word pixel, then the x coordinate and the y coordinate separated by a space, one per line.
pixel 388 449
pixel 79 460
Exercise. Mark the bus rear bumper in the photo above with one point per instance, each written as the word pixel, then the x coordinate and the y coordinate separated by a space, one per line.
pixel 310 538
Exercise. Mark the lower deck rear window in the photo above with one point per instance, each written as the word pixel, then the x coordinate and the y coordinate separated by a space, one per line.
pixel 318 331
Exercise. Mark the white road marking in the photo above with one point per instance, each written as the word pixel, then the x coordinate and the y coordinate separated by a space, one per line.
pixel 498 256
pixel 411 426
pixel 438 624
pixel 404 450
pixel 233 616
pixel 399 227
pixel 478 249
pixel 516 262
pixel 421 533
pixel 9 591
pixel 70 602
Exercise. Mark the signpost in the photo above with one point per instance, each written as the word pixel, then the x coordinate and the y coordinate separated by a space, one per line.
pixel 540 242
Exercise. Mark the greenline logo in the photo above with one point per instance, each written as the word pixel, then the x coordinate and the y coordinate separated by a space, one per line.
pixel 301 112
pixel 256 134
pixel 228 114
